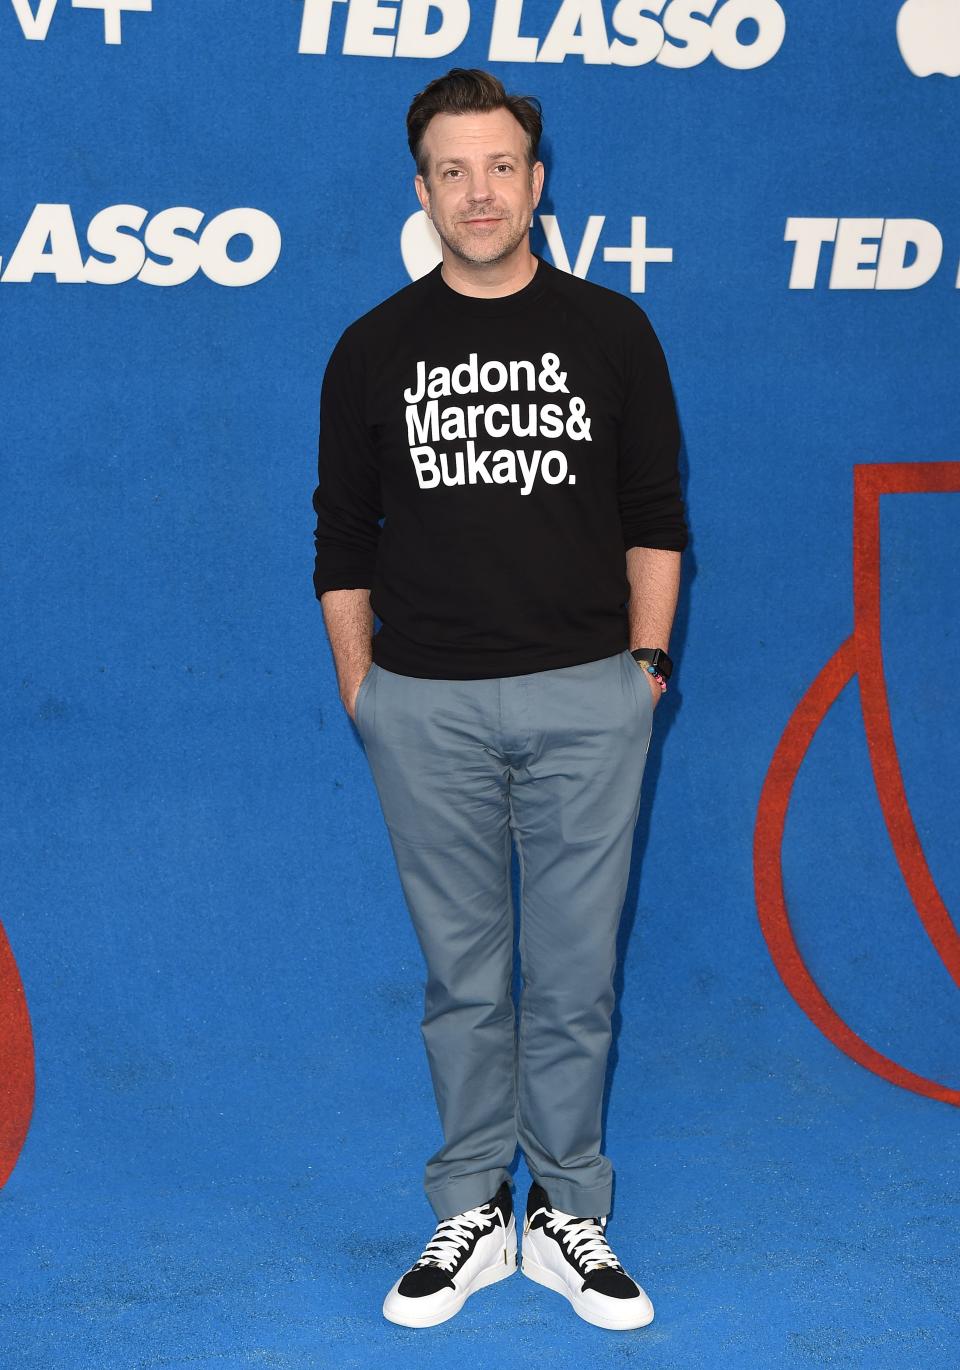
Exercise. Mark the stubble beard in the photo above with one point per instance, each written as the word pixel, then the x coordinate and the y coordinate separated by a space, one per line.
pixel 478 255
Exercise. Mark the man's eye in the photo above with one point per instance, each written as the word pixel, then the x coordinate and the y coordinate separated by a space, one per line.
pixel 505 165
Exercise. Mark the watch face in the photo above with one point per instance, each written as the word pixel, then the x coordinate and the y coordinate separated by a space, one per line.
pixel 661 663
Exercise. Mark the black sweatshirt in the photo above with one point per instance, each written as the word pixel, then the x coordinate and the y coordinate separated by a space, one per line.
pixel 513 448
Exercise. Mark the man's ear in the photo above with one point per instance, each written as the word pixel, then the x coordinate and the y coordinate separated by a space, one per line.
pixel 423 194
pixel 537 175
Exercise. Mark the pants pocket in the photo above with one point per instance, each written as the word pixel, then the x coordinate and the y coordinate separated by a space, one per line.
pixel 643 684
pixel 361 696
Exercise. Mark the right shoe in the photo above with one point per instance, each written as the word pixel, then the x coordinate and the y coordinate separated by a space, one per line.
pixel 465 1253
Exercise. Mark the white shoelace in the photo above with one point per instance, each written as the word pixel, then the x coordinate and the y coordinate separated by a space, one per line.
pixel 453 1235
pixel 584 1238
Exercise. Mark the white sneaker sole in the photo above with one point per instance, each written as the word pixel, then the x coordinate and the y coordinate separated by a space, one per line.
pixel 535 1271
pixel 409 1314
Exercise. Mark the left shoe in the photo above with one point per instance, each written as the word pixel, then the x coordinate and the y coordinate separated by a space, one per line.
pixel 571 1256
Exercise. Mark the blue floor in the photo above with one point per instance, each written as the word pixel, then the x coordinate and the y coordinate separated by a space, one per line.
pixel 781 1207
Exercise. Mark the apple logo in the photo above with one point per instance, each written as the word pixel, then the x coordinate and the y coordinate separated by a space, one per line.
pixel 419 245
pixel 928 32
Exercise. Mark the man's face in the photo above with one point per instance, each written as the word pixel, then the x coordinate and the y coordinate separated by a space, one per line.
pixel 480 192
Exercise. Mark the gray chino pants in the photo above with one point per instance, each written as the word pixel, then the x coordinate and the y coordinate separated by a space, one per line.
pixel 556 759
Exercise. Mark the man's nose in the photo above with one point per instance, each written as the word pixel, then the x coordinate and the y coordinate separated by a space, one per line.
pixel 479 187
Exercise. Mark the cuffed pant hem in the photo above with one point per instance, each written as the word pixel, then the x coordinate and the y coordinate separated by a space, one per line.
pixel 581 1201
pixel 468 1191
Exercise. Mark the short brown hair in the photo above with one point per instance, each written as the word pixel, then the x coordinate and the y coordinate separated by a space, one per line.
pixel 468 90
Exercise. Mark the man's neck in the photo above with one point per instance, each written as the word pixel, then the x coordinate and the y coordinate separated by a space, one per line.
pixel 493 281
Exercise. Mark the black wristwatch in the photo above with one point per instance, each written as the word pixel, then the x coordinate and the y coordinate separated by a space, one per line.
pixel 654 660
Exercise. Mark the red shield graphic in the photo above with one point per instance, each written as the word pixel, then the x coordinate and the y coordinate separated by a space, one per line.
pixel 860 654
pixel 16 1062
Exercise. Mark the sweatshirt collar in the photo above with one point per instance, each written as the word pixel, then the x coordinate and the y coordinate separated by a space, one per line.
pixel 497 306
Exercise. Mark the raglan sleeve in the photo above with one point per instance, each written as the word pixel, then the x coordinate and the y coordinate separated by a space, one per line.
pixel 347 499
pixel 651 504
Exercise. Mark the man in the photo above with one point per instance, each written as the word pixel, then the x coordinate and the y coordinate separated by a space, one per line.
pixel 514 429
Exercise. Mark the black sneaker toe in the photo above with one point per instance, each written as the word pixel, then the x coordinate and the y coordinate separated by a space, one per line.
pixel 615 1284
pixel 423 1280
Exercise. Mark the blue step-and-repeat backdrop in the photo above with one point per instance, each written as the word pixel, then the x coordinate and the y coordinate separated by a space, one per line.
pixel 208 973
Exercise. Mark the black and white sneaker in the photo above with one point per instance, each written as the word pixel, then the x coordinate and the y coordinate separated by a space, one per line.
pixel 467 1252
pixel 571 1255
